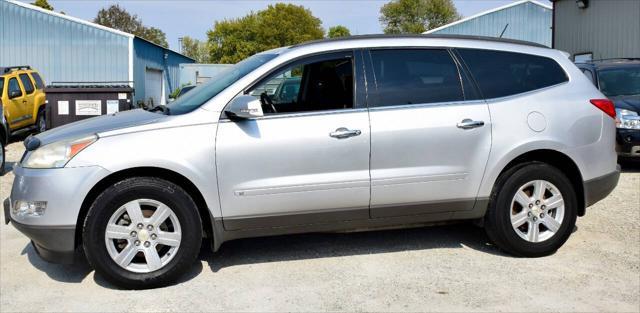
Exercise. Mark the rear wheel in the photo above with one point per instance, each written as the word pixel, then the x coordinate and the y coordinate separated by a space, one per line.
pixel 142 233
pixel 533 210
pixel 41 121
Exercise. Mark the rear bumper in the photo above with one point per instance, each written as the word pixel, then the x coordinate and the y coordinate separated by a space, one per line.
pixel 628 142
pixel 600 187
pixel 52 243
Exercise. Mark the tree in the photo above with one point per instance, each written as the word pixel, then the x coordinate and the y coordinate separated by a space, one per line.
pixel 118 18
pixel 195 49
pixel 279 25
pixel 416 16
pixel 43 4
pixel 338 31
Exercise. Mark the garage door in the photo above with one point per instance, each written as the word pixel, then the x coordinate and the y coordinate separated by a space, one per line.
pixel 153 87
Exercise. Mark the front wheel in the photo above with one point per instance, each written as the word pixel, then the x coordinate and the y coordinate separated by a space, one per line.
pixel 142 232
pixel 532 211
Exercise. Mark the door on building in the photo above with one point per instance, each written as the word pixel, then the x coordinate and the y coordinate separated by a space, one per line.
pixel 153 87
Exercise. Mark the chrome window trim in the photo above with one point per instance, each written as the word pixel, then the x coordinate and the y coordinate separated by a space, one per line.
pixel 301 114
pixel 427 105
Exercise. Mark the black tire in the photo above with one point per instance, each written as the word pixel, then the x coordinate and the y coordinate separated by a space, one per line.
pixel 114 197
pixel 41 122
pixel 498 218
pixel 2 160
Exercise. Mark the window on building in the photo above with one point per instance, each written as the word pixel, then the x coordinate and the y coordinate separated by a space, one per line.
pixel 413 76
pixel 501 74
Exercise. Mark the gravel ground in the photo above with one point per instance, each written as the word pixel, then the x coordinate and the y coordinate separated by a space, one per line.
pixel 445 268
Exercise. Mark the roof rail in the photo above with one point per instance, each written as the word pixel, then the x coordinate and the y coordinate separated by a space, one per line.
pixel 423 36
pixel 612 59
pixel 8 69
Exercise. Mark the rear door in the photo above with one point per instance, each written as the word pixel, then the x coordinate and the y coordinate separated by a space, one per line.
pixel 430 133
pixel 30 96
pixel 307 160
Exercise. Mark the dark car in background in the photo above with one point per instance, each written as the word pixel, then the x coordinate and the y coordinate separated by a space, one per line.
pixel 619 80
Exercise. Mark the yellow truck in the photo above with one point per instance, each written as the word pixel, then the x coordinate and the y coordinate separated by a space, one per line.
pixel 23 98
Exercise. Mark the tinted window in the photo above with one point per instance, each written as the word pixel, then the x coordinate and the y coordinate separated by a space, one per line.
pixel 13 86
pixel 26 83
pixel 1 86
pixel 38 80
pixel 588 74
pixel 314 85
pixel 500 74
pixel 413 77
pixel 620 81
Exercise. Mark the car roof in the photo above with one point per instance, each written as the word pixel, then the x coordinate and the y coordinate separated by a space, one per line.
pixel 15 69
pixel 420 36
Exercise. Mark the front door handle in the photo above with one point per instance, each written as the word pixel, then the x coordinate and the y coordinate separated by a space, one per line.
pixel 469 123
pixel 344 132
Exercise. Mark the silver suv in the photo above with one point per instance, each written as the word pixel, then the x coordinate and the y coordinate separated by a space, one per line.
pixel 374 132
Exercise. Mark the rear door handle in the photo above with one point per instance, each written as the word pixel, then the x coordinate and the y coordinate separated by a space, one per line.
pixel 344 132
pixel 469 123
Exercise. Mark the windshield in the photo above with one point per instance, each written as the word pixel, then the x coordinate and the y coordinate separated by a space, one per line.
pixel 219 82
pixel 620 81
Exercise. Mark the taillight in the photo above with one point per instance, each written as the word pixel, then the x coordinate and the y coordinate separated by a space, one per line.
pixel 605 105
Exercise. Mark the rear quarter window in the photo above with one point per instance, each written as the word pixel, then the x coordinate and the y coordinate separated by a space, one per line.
pixel 500 73
pixel 38 80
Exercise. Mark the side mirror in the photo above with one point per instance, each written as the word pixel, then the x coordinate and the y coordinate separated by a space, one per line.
pixel 244 107
pixel 14 94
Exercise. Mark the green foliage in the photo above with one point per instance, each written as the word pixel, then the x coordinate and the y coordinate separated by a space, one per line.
pixel 279 25
pixel 338 31
pixel 416 16
pixel 118 18
pixel 43 4
pixel 195 49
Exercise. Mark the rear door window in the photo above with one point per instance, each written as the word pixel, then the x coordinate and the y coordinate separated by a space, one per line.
pixel 26 83
pixel 501 74
pixel 413 76
pixel 38 80
pixel 1 86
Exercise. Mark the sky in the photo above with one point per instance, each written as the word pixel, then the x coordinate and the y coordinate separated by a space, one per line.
pixel 178 18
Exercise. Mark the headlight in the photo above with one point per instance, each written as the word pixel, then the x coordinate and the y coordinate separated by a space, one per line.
pixel 57 154
pixel 627 119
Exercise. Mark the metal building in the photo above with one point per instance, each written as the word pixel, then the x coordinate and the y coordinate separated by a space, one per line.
pixel 67 49
pixel 523 20
pixel 597 29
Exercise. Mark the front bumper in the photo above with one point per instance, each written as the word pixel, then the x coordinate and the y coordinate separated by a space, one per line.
pixel 628 142
pixel 64 190
pixel 600 187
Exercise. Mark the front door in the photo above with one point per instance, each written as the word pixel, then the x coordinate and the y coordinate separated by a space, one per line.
pixel 307 160
pixel 429 140
pixel 17 114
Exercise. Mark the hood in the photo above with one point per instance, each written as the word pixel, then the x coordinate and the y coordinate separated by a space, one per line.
pixel 100 124
pixel 631 103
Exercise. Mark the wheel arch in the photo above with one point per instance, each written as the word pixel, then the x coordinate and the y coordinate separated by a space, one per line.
pixel 557 159
pixel 156 172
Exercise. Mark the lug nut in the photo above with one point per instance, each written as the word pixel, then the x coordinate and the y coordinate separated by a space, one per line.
pixel 137 243
pixel 541 215
pixel 133 234
pixel 544 207
pixel 154 236
pixel 537 202
pixel 140 225
pixel 147 244
pixel 530 205
pixel 529 214
pixel 149 227
pixel 535 218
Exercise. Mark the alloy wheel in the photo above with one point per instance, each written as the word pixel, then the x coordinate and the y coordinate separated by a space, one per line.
pixel 537 211
pixel 143 235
